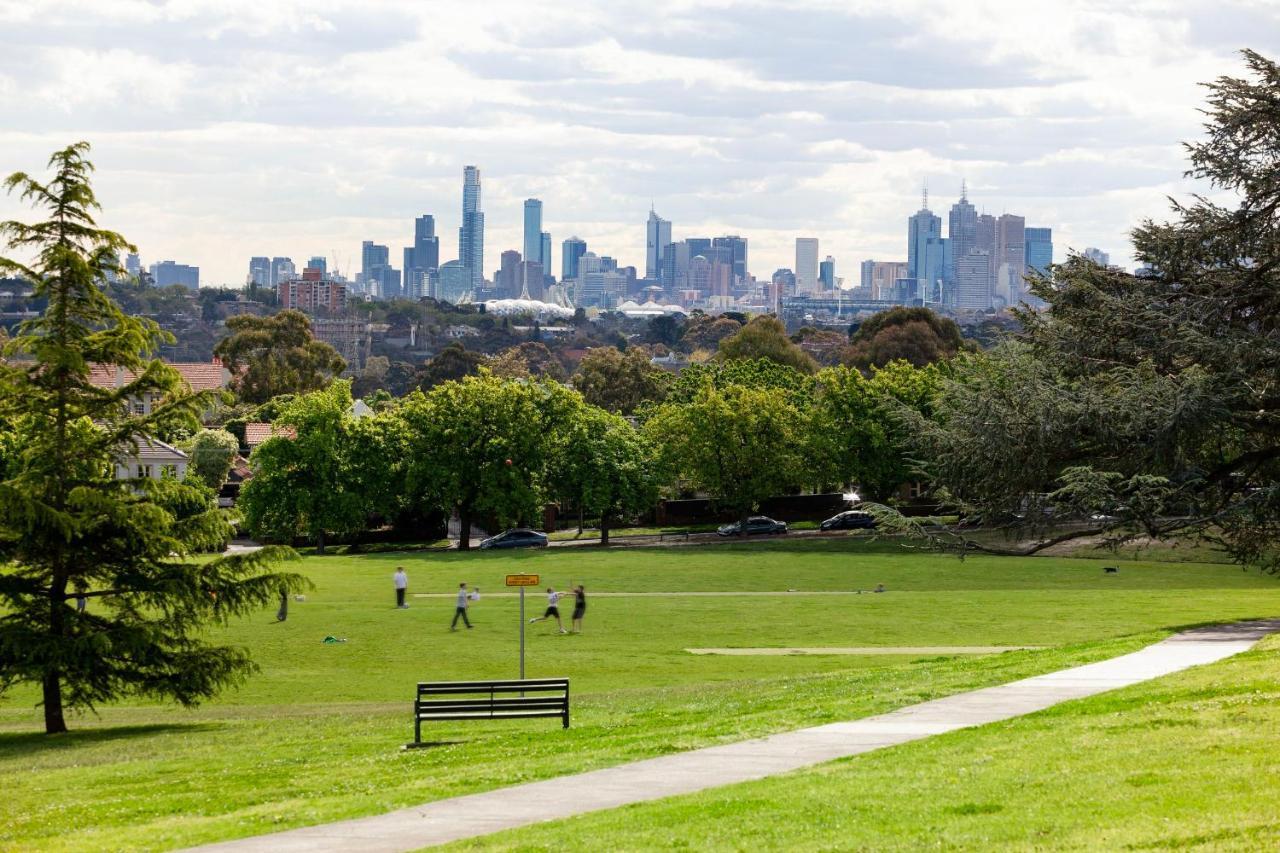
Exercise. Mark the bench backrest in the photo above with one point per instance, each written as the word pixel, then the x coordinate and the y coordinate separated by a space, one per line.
pixel 465 688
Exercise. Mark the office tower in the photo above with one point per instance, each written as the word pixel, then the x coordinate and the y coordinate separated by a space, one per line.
pixel 528 284
pixel 532 229
pixel 318 263
pixel 1039 249
pixel 1010 258
pixel 259 270
pixel 806 265
pixel 372 255
pixel 133 265
pixel 588 290
pixel 934 271
pixel 962 229
pixel 168 273
pixel 699 275
pixel 282 269
pixel 312 291
pixel 973 280
pixel 698 246
pixel 657 238
pixel 827 273
pixel 880 278
pixel 507 282
pixel 1098 256
pixel 675 264
pixel 733 251
pixel 572 251
pixel 454 282
pixel 544 256
pixel 921 227
pixel 868 271
pixel 471 234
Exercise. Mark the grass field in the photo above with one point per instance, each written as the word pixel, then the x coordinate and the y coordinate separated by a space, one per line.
pixel 315 736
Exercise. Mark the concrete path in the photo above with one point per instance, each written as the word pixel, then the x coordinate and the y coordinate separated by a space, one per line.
pixel 712 594
pixel 862 650
pixel 684 773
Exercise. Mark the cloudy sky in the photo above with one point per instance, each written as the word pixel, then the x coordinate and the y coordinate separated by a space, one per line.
pixel 229 128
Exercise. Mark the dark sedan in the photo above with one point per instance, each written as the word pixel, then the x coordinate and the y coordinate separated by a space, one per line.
pixel 518 538
pixel 756 525
pixel 853 519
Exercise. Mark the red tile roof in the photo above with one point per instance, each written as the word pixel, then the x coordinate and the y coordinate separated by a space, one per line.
pixel 200 375
pixel 256 433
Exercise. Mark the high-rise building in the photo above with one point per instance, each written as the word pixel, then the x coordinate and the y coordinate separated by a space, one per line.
pixel 572 251
pixel 259 271
pixel 1039 249
pixel 1010 258
pixel 806 265
pixel 934 271
pixel 544 256
pixel 962 230
pixel 867 269
pixel 657 238
pixel 167 273
pixel 372 255
pixel 529 280
pixel 827 273
pixel 454 283
pixel 675 264
pixel 973 280
pixel 311 292
pixel 282 269
pixel 507 282
pixel 133 265
pixel 471 234
pixel 880 278
pixel 921 227
pixel 1098 256
pixel 733 251
pixel 316 262
pixel 532 229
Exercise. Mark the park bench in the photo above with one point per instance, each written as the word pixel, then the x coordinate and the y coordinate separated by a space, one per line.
pixel 490 700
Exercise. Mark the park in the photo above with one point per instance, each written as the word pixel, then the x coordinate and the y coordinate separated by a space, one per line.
pixel 316 735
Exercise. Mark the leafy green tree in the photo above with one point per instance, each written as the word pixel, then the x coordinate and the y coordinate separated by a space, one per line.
pixel 620 381
pixel 68 527
pixel 526 360
pixel 212 453
pixel 270 356
pixel 1146 404
pixel 749 373
pixel 915 335
pixel 665 330
pixel 479 446
pixel 765 337
pixel 326 479
pixel 706 331
pixel 739 445
pixel 604 465
pixel 449 365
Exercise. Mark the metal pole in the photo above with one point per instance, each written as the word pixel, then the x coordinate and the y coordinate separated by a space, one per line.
pixel 522 633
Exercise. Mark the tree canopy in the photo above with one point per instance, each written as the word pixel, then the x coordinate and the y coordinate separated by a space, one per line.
pixel 620 381
pixel 270 356
pixel 916 335
pixel 765 337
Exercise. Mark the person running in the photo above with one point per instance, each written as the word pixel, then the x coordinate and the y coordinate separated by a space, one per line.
pixel 460 609
pixel 553 610
pixel 579 607
pixel 402 586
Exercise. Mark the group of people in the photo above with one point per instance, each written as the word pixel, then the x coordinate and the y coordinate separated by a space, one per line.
pixel 467 597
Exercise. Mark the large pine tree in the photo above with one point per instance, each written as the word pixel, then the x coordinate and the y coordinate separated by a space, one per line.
pixel 68 527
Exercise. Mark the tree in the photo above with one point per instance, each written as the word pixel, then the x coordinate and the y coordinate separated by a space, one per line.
pixel 269 356
pixel 740 445
pixel 665 330
pixel 1146 404
pixel 826 347
pixel 915 335
pixel 317 482
pixel 748 373
pixel 212 453
pixel 479 446
pixel 526 360
pixel 765 337
pixel 706 331
pixel 604 465
pixel 449 365
pixel 620 381
pixel 68 527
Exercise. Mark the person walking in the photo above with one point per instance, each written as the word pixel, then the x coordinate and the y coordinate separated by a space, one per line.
pixel 579 607
pixel 283 613
pixel 553 610
pixel 460 609
pixel 402 585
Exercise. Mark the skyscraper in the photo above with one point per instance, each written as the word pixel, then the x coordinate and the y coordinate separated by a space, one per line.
pixel 973 280
pixel 1097 256
pixel 920 228
pixel 133 265
pixel 167 273
pixel 422 258
pixel 545 255
pixel 962 231
pixel 1010 258
pixel 734 253
pixel 318 263
pixel 1039 249
pixel 827 273
pixel 806 265
pixel 657 237
pixel 471 234
pixel 572 250
pixel 532 229
pixel 259 271
pixel 282 269
pixel 372 255
pixel 507 281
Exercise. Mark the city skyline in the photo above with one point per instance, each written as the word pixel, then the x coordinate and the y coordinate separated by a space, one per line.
pixel 205 121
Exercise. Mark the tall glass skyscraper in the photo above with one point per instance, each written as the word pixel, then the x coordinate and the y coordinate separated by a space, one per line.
pixel 920 228
pixel 573 251
pixel 471 234
pixel 1039 249
pixel 657 236
pixel 806 265
pixel 962 230
pixel 533 230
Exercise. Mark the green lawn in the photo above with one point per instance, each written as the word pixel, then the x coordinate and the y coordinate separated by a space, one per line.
pixel 315 736
pixel 1186 762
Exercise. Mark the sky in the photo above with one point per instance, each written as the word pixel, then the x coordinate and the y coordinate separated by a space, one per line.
pixel 223 129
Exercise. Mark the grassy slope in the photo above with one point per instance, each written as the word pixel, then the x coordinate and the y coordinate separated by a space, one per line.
pixel 314 737
pixel 1183 762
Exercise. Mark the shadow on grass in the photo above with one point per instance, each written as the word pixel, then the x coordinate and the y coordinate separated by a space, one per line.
pixel 25 743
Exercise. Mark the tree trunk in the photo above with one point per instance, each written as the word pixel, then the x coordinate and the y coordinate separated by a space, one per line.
pixel 53 719
pixel 604 529
pixel 464 528
pixel 742 522
pixel 320 543
pixel 580 518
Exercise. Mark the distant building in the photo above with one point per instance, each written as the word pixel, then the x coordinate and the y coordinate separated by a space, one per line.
pixel 806 265
pixel 973 280
pixel 1010 258
pixel 572 251
pixel 532 229
pixel 312 293
pixel 732 250
pixel 1039 249
pixel 282 269
pixel 1098 256
pixel 133 265
pixel 259 271
pixel 962 231
pixel 506 283
pixel 657 237
pixel 454 284
pixel 827 273
pixel 922 227
pixel 168 273
pixel 544 259
pixel 317 262
pixel 471 234
pixel 880 279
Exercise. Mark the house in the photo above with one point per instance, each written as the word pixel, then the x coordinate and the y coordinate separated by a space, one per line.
pixel 153 460
pixel 256 433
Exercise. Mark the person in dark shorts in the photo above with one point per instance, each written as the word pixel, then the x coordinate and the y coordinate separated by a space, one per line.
pixel 460 608
pixel 579 607
pixel 552 611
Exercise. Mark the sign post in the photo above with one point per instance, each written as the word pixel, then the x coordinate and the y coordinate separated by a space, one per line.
pixel 522 581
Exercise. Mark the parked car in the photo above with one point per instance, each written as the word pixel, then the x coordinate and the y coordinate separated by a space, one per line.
pixel 517 538
pixel 853 519
pixel 756 525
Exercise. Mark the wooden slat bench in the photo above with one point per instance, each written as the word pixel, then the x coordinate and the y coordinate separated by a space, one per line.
pixel 490 700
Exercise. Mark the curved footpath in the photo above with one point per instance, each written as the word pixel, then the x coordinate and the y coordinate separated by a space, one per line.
pixel 475 815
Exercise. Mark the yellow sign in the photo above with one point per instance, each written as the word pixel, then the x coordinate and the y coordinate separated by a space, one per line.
pixel 523 580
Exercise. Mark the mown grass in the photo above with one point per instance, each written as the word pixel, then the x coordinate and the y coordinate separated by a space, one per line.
pixel 1186 762
pixel 315 736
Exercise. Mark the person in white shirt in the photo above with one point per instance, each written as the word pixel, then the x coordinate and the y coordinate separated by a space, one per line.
pixel 460 608
pixel 553 610
pixel 402 585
